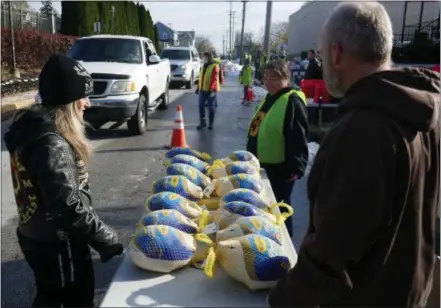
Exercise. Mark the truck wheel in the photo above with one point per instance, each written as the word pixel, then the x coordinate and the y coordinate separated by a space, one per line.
pixel 190 83
pixel 138 123
pixel 165 97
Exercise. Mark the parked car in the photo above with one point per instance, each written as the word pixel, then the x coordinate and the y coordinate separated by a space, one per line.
pixel 129 79
pixel 184 63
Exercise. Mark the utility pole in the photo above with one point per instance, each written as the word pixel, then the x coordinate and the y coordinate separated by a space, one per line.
pixel 269 10
pixel 404 22
pixel 242 31
pixel 11 26
pixel 234 34
pixel 230 34
pixel 226 41
pixel 420 20
pixel 223 44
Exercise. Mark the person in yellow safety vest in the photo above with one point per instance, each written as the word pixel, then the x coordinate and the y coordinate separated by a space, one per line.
pixel 246 79
pixel 208 87
pixel 278 133
pixel 263 59
pixel 247 56
pixel 217 60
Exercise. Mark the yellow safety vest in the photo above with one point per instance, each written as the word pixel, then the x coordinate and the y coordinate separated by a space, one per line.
pixel 205 78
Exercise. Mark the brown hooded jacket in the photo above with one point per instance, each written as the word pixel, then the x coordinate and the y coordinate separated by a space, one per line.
pixel 374 194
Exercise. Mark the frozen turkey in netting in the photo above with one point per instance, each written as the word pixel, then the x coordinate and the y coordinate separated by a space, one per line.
pixel 191 173
pixel 188 160
pixel 180 185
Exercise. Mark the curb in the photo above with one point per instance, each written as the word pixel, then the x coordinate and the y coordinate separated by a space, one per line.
pixel 8 110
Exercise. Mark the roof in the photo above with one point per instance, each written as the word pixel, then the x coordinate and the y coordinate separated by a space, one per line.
pixel 165 26
pixel 164 32
pixel 116 37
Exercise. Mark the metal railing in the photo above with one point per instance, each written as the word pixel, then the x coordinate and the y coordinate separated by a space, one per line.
pixel 24 19
pixel 430 29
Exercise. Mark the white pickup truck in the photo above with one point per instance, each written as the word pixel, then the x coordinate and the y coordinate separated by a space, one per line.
pixel 129 79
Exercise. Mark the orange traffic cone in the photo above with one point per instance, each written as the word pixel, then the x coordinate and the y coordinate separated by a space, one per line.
pixel 250 94
pixel 178 137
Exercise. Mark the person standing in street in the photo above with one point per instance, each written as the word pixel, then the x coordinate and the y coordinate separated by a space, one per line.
pixel 374 185
pixel 314 69
pixel 246 79
pixel 208 87
pixel 57 223
pixel 278 133
pixel 217 60
pixel 257 64
pixel 261 60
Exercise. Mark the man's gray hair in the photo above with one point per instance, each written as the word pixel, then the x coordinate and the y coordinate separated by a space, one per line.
pixel 363 29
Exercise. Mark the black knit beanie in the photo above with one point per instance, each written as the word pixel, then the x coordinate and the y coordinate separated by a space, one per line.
pixel 63 80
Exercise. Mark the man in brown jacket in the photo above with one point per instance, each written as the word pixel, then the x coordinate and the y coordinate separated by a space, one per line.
pixel 374 186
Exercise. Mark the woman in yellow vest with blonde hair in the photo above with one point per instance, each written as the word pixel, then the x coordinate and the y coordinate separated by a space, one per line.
pixel 278 134
pixel 208 87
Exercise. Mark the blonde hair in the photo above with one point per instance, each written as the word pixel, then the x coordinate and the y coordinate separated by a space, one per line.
pixel 72 127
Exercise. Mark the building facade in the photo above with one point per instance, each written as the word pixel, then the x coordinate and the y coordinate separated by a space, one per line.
pixel 306 23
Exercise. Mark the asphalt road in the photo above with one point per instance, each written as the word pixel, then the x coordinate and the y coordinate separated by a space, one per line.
pixel 121 175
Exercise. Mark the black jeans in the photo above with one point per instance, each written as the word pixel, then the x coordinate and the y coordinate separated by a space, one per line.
pixel 63 272
pixel 282 191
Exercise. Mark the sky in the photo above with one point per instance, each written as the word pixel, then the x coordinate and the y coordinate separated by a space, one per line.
pixel 211 18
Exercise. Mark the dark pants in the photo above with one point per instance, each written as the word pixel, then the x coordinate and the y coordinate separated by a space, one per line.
pixel 245 93
pixel 282 191
pixel 63 272
pixel 256 71
pixel 257 75
pixel 205 97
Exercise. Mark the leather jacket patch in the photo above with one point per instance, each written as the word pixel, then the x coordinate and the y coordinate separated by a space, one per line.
pixel 24 189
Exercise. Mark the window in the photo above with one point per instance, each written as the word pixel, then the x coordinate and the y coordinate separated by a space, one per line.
pixel 175 54
pixel 107 50
pixel 196 54
pixel 152 48
pixel 146 51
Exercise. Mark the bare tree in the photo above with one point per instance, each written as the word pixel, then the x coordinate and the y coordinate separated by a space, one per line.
pixel 249 42
pixel 47 8
pixel 203 44
pixel 278 35
pixel 248 38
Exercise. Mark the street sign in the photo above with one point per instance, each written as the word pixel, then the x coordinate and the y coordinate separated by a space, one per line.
pixel 97 27
pixel 28 17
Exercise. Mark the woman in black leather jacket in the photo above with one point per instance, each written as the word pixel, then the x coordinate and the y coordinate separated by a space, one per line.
pixel 57 223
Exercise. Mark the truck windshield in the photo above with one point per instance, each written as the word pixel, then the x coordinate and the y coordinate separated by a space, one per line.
pixel 107 50
pixel 175 54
